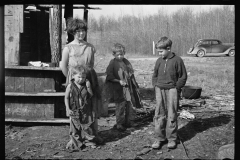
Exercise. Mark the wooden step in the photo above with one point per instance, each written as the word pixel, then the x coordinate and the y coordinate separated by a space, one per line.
pixel 54 94
pixel 55 120
pixel 32 68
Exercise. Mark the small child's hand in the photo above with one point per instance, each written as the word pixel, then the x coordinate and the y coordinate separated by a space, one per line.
pixel 123 83
pixel 70 112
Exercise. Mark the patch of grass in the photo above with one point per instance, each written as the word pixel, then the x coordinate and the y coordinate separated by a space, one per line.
pixel 215 74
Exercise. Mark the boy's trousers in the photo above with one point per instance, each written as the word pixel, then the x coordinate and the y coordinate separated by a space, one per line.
pixel 165 117
pixel 125 113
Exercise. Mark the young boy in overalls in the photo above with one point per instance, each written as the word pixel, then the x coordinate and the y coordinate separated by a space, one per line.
pixel 125 88
pixel 78 105
pixel 168 78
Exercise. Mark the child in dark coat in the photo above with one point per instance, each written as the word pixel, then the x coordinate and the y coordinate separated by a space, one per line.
pixel 125 88
pixel 168 78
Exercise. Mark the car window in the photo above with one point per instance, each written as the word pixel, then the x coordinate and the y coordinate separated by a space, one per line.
pixel 205 42
pixel 215 42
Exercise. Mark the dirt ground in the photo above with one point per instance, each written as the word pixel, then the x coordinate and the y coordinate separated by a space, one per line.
pixel 212 127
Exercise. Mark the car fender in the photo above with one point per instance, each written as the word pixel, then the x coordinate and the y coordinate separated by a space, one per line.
pixel 231 48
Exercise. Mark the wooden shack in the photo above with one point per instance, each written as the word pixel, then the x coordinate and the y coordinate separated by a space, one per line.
pixel 36 94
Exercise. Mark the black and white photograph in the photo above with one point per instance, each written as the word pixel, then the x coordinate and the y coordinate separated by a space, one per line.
pixel 119 81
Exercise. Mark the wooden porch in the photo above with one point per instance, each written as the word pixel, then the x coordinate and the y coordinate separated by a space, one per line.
pixel 36 94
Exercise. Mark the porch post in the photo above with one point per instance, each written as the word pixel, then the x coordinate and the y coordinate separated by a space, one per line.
pixel 56 34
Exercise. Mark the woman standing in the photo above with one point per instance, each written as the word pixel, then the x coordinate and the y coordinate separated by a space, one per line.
pixel 76 53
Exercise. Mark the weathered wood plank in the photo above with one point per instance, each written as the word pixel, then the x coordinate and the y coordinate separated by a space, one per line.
pixel 29 108
pixel 21 18
pixel 16 18
pixel 32 68
pixel 19 84
pixel 49 108
pixel 33 94
pixel 11 48
pixel 55 120
pixel 39 82
pixel 29 84
pixel 10 41
pixel 57 32
pixel 49 83
pixel 9 82
pixel 8 23
pixel 8 10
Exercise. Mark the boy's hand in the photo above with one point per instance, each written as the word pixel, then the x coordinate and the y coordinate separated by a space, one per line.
pixel 123 83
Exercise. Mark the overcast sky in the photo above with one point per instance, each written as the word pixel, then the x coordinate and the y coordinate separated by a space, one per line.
pixel 139 10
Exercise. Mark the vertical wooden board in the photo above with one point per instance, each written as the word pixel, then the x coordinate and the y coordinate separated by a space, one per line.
pixel 16 47
pixel 21 18
pixel 9 81
pixel 19 81
pixel 8 23
pixel 11 48
pixel 39 82
pixel 8 38
pixel 8 10
pixel 16 18
pixel 49 108
pixel 29 84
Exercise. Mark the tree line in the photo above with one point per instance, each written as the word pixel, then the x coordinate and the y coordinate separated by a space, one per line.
pixel 183 27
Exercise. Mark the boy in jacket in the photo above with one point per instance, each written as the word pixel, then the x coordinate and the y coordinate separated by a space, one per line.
pixel 168 78
pixel 125 94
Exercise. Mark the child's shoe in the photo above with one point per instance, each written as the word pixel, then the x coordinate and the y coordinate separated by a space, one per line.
pixel 120 127
pixel 172 144
pixel 157 144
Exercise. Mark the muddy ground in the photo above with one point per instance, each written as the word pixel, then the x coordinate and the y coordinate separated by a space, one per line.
pixel 212 127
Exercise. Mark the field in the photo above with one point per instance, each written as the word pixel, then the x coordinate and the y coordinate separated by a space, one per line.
pixel 212 127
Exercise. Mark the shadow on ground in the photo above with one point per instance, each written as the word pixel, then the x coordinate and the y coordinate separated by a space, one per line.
pixel 199 125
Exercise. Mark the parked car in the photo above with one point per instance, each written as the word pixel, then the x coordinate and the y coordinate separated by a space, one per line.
pixel 212 47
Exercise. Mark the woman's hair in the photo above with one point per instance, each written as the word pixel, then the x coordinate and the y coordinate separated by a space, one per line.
pixel 118 47
pixel 163 43
pixel 79 70
pixel 74 24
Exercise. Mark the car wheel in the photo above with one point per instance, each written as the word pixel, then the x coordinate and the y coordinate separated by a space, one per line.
pixel 231 53
pixel 201 53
